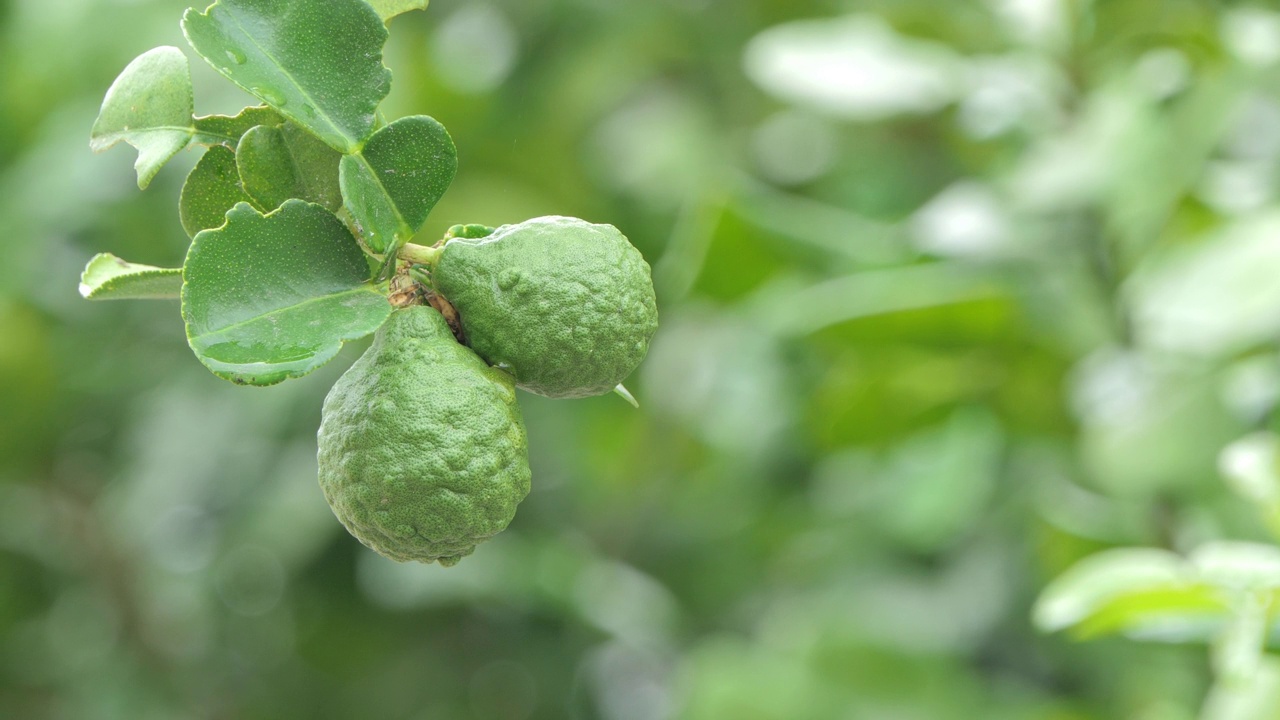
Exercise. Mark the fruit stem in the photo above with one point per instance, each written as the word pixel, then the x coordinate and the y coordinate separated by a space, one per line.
pixel 419 254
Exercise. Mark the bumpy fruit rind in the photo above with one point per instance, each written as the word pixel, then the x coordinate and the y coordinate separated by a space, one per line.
pixel 565 306
pixel 422 449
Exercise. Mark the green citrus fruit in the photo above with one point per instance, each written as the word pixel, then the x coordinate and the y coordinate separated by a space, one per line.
pixel 565 306
pixel 422 448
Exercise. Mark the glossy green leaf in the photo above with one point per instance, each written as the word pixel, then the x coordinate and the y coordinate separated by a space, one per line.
pixel 107 277
pixel 271 297
pixel 388 9
pixel 392 185
pixel 212 188
pixel 317 63
pixel 277 164
pixel 149 106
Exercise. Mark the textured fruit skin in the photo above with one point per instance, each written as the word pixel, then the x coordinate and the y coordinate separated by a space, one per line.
pixel 565 306
pixel 422 449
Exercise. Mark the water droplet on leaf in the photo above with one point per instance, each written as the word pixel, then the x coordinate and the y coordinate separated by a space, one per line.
pixel 270 96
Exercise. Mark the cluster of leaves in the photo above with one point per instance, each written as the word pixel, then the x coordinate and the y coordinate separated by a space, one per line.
pixel 1223 593
pixel 299 206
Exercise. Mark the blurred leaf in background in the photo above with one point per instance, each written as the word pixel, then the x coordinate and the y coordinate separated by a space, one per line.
pixel 954 295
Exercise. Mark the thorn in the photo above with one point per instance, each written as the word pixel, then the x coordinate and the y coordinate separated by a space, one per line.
pixel 625 394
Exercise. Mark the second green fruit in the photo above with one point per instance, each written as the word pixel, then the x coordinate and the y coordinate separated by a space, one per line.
pixel 564 305
pixel 422 450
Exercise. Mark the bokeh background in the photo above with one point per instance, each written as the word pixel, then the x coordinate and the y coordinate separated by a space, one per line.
pixel 954 293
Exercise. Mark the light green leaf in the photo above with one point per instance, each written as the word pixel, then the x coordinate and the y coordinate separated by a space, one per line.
pixel 267 298
pixel 1156 595
pixel 1251 467
pixel 388 9
pixel 107 277
pixel 228 129
pixel 868 294
pixel 936 485
pixel 317 63
pixel 212 188
pixel 1191 613
pixel 1123 589
pixel 824 64
pixel 392 185
pixel 1237 656
pixel 277 164
pixel 1238 566
pixel 149 106
pixel 1214 297
pixel 1255 699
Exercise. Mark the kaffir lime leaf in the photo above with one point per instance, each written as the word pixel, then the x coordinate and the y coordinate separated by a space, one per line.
pixel 422 452
pixel 565 306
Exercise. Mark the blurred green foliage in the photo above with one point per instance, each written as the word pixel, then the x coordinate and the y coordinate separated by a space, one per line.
pixel 954 294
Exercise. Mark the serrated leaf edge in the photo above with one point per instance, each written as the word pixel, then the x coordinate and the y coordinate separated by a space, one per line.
pixel 101 290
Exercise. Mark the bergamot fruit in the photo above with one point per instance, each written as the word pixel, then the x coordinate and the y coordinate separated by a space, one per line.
pixel 422 450
pixel 565 306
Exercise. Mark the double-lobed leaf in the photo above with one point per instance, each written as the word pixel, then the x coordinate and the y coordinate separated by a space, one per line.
pixel 393 183
pixel 276 164
pixel 271 297
pixel 212 188
pixel 270 164
pixel 107 277
pixel 228 129
pixel 317 63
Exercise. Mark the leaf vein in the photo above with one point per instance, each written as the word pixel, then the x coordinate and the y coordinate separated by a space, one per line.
pixel 306 95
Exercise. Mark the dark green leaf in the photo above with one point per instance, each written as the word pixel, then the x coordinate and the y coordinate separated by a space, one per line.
pixel 267 298
pixel 277 164
pixel 317 63
pixel 212 189
pixel 149 106
pixel 392 185
pixel 107 277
